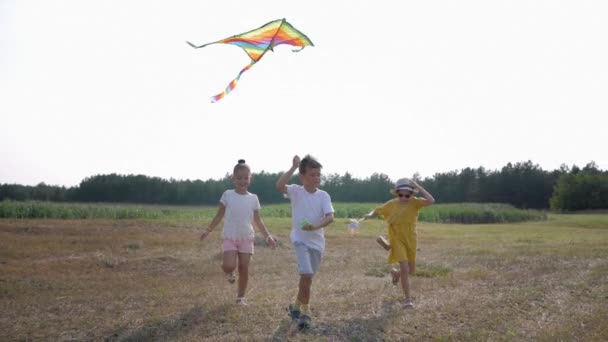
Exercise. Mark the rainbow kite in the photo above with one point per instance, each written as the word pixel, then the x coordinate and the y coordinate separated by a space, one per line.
pixel 257 42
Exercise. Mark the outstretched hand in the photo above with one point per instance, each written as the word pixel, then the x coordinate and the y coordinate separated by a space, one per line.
pixel 204 235
pixel 368 215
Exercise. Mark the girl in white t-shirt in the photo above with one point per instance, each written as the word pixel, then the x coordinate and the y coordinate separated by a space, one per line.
pixel 241 209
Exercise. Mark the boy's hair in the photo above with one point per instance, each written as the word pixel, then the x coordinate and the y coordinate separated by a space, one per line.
pixel 309 162
pixel 241 166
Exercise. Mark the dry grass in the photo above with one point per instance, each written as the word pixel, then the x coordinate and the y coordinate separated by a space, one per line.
pixel 148 280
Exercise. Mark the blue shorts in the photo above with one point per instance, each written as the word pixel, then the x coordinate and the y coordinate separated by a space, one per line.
pixel 309 259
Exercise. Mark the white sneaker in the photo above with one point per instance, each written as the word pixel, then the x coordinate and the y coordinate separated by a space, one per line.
pixel 241 301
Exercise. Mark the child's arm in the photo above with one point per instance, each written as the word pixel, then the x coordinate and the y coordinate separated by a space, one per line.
pixel 262 227
pixel 428 198
pixel 221 209
pixel 371 214
pixel 327 219
pixel 282 182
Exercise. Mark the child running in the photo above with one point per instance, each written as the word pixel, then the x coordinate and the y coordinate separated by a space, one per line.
pixel 401 214
pixel 311 210
pixel 241 209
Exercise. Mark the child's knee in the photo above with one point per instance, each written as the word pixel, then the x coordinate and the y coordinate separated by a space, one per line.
pixel 306 280
pixel 306 277
pixel 228 267
pixel 412 267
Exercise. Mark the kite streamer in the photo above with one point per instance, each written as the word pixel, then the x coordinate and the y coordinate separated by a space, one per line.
pixel 259 41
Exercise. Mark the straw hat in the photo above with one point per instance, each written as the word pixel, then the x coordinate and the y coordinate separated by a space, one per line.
pixel 404 184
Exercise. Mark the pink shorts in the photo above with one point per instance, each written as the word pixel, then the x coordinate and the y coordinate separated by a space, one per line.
pixel 240 246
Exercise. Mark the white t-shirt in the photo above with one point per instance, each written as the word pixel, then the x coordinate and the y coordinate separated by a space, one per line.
pixel 308 207
pixel 238 219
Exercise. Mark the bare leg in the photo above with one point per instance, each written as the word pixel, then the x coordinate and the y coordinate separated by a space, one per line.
pixel 229 261
pixel 304 288
pixel 244 259
pixel 405 280
pixel 412 265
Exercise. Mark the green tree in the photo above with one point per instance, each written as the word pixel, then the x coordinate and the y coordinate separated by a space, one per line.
pixel 580 189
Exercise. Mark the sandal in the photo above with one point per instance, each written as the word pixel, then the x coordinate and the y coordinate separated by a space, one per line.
pixel 230 277
pixel 396 275
pixel 382 241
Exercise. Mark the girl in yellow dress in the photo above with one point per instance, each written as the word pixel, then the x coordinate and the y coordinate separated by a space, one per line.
pixel 401 214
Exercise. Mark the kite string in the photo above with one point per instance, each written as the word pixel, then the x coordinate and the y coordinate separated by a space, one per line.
pixel 232 84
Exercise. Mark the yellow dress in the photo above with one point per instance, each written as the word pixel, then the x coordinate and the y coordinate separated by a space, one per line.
pixel 402 219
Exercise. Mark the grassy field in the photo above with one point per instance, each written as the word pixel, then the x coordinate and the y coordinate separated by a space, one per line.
pixel 439 213
pixel 145 280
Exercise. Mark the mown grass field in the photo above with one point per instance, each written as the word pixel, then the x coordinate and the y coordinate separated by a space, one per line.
pixel 146 280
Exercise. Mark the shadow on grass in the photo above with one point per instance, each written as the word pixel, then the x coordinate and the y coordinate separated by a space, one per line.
pixel 169 330
pixel 369 328
pixel 423 270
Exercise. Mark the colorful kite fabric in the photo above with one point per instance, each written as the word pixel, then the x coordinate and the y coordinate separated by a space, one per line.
pixel 257 42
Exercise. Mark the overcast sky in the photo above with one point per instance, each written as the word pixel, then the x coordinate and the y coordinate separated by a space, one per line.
pixel 94 87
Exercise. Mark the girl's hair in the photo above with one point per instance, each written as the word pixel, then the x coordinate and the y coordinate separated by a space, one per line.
pixel 309 162
pixel 241 166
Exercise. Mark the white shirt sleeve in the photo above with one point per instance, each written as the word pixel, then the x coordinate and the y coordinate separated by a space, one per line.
pixel 326 205
pixel 224 198
pixel 291 188
pixel 256 203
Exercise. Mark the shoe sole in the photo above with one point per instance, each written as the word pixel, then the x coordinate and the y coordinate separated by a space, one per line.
pixel 304 322
pixel 303 325
pixel 382 242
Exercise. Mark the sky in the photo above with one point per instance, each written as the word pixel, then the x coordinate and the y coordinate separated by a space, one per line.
pixel 97 87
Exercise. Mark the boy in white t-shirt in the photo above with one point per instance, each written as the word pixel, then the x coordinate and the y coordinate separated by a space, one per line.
pixel 311 210
pixel 241 210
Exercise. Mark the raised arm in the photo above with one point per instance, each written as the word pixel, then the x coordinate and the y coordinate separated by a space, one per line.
pixel 428 198
pixel 221 210
pixel 282 182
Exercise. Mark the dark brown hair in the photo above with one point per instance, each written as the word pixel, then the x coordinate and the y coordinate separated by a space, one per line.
pixel 241 166
pixel 309 162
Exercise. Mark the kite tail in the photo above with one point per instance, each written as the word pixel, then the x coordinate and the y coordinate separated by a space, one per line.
pixel 231 85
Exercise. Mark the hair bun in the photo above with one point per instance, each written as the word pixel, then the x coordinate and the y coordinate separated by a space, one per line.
pixel 241 161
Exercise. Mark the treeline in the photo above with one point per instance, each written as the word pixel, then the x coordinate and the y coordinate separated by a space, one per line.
pixel 581 189
pixel 115 188
pixel 523 184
